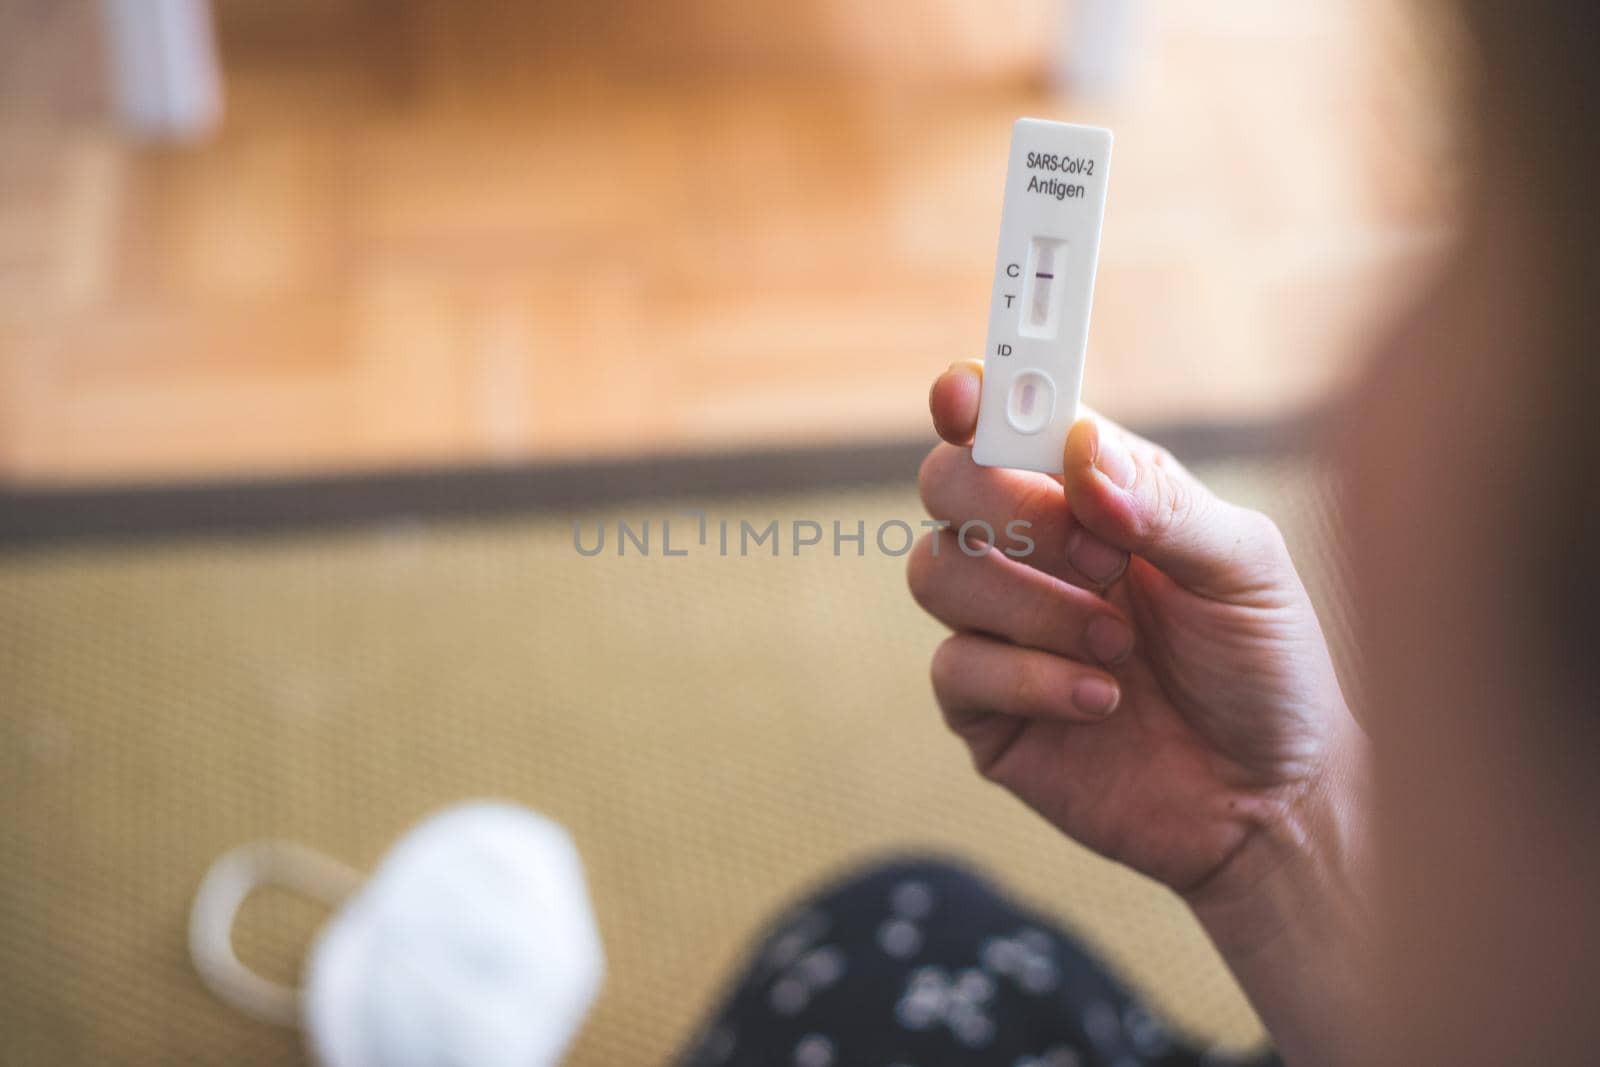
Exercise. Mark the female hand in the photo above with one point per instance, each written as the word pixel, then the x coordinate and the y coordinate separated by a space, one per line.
pixel 1152 678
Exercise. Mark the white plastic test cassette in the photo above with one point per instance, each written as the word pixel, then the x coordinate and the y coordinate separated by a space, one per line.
pixel 1043 289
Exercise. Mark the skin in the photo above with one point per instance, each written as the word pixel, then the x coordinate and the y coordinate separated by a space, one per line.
pixel 1484 865
pixel 1459 927
pixel 1152 680
pixel 1220 704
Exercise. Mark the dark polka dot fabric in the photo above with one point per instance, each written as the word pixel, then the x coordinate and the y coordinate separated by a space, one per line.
pixel 922 964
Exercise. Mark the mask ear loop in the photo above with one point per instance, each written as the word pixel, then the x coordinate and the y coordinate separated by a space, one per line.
pixel 234 876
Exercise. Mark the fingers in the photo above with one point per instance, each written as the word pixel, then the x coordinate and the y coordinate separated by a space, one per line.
pixel 994 595
pixel 1123 495
pixel 1136 498
pixel 956 490
pixel 976 677
pixel 953 401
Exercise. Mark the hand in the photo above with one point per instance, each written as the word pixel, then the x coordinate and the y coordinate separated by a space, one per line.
pixel 1152 678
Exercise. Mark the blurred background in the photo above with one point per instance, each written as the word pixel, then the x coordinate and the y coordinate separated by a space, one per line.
pixel 415 284
pixel 426 233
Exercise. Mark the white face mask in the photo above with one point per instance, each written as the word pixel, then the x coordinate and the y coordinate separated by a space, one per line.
pixel 473 943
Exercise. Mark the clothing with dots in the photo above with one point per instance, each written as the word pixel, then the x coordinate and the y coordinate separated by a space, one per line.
pixel 923 964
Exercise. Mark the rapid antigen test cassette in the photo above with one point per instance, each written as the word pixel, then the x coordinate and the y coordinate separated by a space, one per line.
pixel 1043 288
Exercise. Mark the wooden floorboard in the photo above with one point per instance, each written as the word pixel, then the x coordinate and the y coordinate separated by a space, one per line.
pixel 432 235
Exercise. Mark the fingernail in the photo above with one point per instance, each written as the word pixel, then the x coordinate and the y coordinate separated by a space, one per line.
pixel 1095 696
pixel 1094 559
pixel 1114 460
pixel 1110 640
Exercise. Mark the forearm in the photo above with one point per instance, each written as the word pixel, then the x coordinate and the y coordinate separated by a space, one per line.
pixel 1295 929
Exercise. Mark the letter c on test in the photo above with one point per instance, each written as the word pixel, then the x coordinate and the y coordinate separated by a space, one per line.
pixel 1013 269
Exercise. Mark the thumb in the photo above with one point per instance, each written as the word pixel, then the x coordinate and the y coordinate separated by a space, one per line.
pixel 1137 498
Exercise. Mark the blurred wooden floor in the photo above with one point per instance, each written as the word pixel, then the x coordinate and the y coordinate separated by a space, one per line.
pixel 421 240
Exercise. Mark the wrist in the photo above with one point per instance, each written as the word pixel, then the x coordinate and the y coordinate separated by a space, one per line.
pixel 1307 854
pixel 1289 912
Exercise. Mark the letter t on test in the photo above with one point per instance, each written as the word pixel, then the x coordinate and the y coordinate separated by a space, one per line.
pixel 1043 288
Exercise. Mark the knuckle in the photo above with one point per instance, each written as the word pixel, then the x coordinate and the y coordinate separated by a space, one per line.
pixel 988 765
pixel 1265 532
pixel 1038 617
pixel 1162 457
pixel 1026 689
pixel 1044 507
pixel 1035 502
pixel 1173 504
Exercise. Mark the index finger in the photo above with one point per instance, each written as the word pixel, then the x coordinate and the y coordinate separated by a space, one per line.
pixel 953 401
